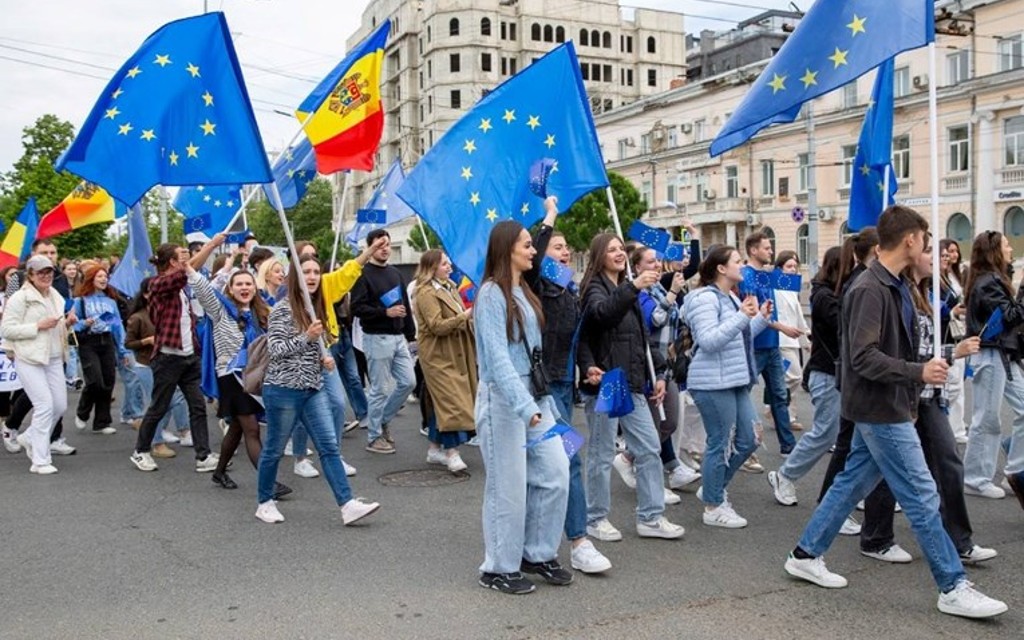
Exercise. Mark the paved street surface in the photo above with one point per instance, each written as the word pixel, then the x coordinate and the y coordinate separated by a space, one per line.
pixel 101 550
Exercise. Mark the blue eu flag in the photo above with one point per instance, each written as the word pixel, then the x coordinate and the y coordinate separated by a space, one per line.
pixel 650 237
pixel 836 41
pixel 176 113
pixel 134 266
pixel 293 171
pixel 383 208
pixel 208 208
pixel 874 156
pixel 613 396
pixel 479 172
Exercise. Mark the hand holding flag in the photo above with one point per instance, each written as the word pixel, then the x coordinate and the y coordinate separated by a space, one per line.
pixel 613 396
pixel 650 237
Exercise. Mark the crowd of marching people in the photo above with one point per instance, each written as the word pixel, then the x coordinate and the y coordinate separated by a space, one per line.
pixel 662 356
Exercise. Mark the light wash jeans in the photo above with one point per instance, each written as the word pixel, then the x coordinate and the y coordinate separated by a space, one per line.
pixel 576 511
pixel 285 407
pixel 134 404
pixel 388 361
pixel 729 419
pixel 526 490
pixel 335 395
pixel 45 386
pixel 816 443
pixel 71 367
pixel 345 356
pixel 178 410
pixel 642 442
pixel 893 452
pixel 769 367
pixel 991 386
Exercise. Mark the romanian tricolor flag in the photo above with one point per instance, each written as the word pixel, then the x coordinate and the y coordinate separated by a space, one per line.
pixel 87 204
pixel 347 117
pixel 17 243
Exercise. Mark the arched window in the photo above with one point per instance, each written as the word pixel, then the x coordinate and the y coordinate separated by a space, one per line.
pixel 595 38
pixel 453 27
pixel 560 34
pixel 959 228
pixel 584 37
pixel 1013 222
pixel 802 245
pixel 606 42
pixel 844 232
pixel 652 45
pixel 535 32
pixel 485 26
pixel 549 33
pixel 768 231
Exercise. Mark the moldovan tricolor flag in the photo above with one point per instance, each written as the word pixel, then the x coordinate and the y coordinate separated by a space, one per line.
pixel 348 118
pixel 17 243
pixel 87 204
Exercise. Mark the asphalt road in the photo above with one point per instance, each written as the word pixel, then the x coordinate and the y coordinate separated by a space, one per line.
pixel 101 550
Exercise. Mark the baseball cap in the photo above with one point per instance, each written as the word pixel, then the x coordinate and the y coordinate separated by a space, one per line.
pixel 38 263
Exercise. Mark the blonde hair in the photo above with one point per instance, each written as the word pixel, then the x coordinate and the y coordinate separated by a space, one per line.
pixel 265 267
pixel 429 262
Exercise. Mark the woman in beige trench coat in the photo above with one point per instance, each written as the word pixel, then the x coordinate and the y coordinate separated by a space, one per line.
pixel 447 355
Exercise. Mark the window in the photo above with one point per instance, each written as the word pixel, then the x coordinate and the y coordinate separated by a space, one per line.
pixel 595 38
pixel 485 62
pixel 453 27
pixel 606 73
pixel 421 79
pixel 421 46
pixel 535 32
pixel 767 177
pixel 670 192
pixel 645 143
pixel 456 99
pixel 428 33
pixel 803 243
pixel 768 231
pixel 609 104
pixel 549 33
pixel 512 66
pixel 629 77
pixel 652 77
pixel 629 44
pixel 959 228
pixel 645 192
pixel 673 138
pixel 422 112
pixel 584 37
pixel 732 182
pixel 849 153
pixel 623 148
pixel 700 130
pixel 454 63
pixel 1013 222
pixel 803 162
pixel 560 34
pixel 652 45
pixel 585 70
pixel 485 26
pixel 850 95
pixel 958 67
pixel 504 66
pixel 595 72
pixel 901 82
pixel 1013 140
pixel 430 69
pixel 504 30
pixel 512 31
pixel 701 184
pixel 606 40
pixel 959 149
pixel 901 157
pixel 1011 52
pixel 430 104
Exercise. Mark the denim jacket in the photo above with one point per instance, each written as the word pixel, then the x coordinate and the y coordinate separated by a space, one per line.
pixel 505 364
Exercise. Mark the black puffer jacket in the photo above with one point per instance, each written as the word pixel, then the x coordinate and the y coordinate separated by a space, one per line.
pixel 561 314
pixel 987 293
pixel 614 333
pixel 825 328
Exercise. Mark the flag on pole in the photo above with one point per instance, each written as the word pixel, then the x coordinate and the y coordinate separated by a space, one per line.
pixel 874 156
pixel 208 208
pixel 348 117
pixel 294 169
pixel 650 237
pixel 87 204
pixel 479 172
pixel 176 113
pixel 17 244
pixel 135 265
pixel 383 208
pixel 836 42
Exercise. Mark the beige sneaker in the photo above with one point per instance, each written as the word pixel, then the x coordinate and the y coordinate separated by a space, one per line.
pixel 162 451
pixel 752 465
pixel 380 445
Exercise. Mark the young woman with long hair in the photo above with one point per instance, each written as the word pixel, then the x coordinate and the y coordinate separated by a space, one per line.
pixel 294 391
pixel 721 375
pixel 613 336
pixel 998 369
pixel 526 488
pixel 270 279
pixel 791 312
pixel 954 329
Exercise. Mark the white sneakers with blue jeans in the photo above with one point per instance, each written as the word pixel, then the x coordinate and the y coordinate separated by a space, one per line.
pixel 387 360
pixel 991 386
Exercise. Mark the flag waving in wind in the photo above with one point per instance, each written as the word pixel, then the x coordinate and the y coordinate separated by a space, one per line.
pixel 348 118
pixel 135 265
pixel 479 172
pixel 87 204
pixel 384 207
pixel 836 41
pixel 176 113
pixel 208 208
pixel 874 156
pixel 294 169
pixel 17 243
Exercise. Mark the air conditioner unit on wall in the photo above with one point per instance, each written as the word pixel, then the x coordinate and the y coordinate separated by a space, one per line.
pixel 753 219
pixel 710 194
pixel 825 215
pixel 921 81
pixel 686 127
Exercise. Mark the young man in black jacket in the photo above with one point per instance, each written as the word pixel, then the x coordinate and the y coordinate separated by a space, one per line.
pixel 881 384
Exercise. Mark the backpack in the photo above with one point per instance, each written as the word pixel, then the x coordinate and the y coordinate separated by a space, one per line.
pixel 256 366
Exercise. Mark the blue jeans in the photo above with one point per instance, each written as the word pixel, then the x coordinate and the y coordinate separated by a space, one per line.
pixel 71 366
pixel 285 407
pixel 815 444
pixel 178 410
pixel 991 386
pixel 526 490
pixel 576 512
pixel 388 360
pixel 332 387
pixel 722 411
pixel 345 357
pixel 893 452
pixel 645 446
pixel 134 404
pixel 769 367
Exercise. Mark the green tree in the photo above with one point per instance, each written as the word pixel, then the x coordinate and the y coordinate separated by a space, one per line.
pixel 151 209
pixel 416 239
pixel 590 214
pixel 310 220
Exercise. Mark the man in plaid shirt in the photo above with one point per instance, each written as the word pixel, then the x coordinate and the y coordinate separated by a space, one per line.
pixel 176 359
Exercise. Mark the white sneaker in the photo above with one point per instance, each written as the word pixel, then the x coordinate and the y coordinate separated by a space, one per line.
pixel 620 444
pixel 455 463
pixel 170 437
pixel 105 431
pixel 987 490
pixel 967 602
pixel 267 512
pixel 894 554
pixel 978 554
pixel 725 495
pixel 860 506
pixel 961 439
pixel 43 469
pixel 288 448
pixel 80 424
pixel 604 531
pixel 349 469
pixel 224 426
pixel 682 476
pixel 305 469
pixel 60 447
pixel 186 440
pixel 660 528
pixel 207 464
pixel 850 527
pixel 356 509
pixel 26 446
pixel 10 438
pixel 625 469
pixel 813 570
pixel 724 516
pixel 143 461
pixel 783 489
pixel 671 498
pixel 350 426
pixel 687 459
pixel 474 441
pixel 436 456
pixel 586 558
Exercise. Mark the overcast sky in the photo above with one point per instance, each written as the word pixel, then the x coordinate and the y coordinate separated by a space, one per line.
pixel 69 49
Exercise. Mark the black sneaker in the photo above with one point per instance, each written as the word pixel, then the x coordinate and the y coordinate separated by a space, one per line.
pixel 281 490
pixel 512 583
pixel 551 571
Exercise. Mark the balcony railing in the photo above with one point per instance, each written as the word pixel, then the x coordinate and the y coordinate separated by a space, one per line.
pixel 1011 176
pixel 844 193
pixel 766 202
pixel 956 183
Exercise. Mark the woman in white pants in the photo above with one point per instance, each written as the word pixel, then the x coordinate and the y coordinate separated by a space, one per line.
pixel 34 327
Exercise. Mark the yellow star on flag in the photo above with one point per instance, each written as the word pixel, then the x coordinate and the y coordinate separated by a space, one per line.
pixel 208 99
pixel 192 150
pixel 525 209
pixel 550 141
pixel 173 158
pixel 148 134
pixel 810 77
pixel 290 172
pixel 163 61
pixel 839 57
pixel 216 203
pixel 554 166
pixel 485 125
pixel 857 26
pixel 193 69
pixel 467 173
pixel 492 214
pixel 116 94
pixel 509 116
pixel 124 129
pixel 881 187
pixel 208 128
pixel 474 198
pixel 865 169
pixel 778 83
pixel 112 113
pixel 533 122
pixel 469 147
pixel 134 71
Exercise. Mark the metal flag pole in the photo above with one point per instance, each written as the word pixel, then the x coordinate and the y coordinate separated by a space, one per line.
pixel 163 214
pixel 629 272
pixel 423 232
pixel 341 217
pixel 813 227
pixel 933 135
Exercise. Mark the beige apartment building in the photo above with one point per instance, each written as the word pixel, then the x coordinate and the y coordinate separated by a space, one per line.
pixel 660 143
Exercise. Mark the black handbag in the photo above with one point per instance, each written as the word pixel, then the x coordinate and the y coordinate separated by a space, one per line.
pixel 538 376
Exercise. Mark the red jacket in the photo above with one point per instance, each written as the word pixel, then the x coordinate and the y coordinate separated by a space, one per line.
pixel 165 311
